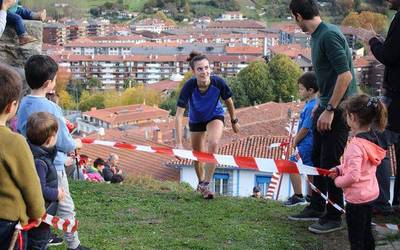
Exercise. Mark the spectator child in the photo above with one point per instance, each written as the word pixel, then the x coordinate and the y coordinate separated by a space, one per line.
pixel 95 172
pixel 41 74
pixel 308 89
pixel 41 132
pixel 20 193
pixel 15 16
pixel 356 175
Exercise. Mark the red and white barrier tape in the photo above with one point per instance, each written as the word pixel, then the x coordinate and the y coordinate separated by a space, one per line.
pixel 65 225
pixel 272 185
pixel 243 162
pixel 339 208
pixel 388 226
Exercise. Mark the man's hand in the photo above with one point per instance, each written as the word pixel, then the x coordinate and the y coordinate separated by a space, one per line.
pixel 7 4
pixel 325 121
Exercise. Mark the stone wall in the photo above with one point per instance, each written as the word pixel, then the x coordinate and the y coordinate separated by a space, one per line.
pixel 13 54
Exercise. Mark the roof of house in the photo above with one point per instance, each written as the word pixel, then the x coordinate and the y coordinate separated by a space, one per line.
pixel 244 24
pixel 122 114
pixel 253 146
pixel 291 50
pixel 163 85
pixel 248 50
pixel 133 163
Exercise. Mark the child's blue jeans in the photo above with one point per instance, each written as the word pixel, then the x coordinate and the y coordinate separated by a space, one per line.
pixel 7 229
pixel 16 19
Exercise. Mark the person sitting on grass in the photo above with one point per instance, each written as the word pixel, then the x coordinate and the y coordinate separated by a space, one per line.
pixel 111 172
pixel 95 172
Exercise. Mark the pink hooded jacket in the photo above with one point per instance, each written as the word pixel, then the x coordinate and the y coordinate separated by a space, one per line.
pixel 357 173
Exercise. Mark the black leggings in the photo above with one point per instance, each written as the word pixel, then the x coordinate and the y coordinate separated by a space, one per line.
pixel 358 218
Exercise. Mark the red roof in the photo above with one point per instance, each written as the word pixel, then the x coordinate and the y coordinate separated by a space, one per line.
pixel 244 50
pixel 130 113
pixel 164 85
pixel 361 62
pixel 291 50
pixel 240 24
pixel 134 163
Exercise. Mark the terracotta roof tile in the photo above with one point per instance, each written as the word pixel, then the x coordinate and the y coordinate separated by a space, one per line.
pixel 130 113
pixel 134 163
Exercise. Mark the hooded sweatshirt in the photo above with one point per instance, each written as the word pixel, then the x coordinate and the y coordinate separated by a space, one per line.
pixel 357 174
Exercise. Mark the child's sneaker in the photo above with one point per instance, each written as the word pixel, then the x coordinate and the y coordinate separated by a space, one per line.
pixel 294 201
pixel 24 39
pixel 54 240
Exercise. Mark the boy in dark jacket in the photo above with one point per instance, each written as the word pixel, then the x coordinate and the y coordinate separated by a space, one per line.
pixel 41 131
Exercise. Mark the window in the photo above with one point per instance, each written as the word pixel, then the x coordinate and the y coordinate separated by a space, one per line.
pixel 221 183
pixel 263 182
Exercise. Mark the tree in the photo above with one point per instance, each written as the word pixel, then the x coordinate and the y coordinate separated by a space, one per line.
pixel 63 79
pixel 365 19
pixel 112 98
pixel 140 94
pixel 239 95
pixel 94 83
pixel 284 73
pixel 65 100
pixel 186 8
pixel 170 102
pixel 89 101
pixel 256 83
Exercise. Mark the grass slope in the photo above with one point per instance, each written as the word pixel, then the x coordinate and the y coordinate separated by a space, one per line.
pixel 154 215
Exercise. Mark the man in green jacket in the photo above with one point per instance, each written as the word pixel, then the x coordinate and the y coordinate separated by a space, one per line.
pixel 332 63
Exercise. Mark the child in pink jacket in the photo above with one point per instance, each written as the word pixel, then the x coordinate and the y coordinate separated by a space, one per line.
pixel 356 176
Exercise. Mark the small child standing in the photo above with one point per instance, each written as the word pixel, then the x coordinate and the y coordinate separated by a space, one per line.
pixel 41 132
pixel 41 74
pixel 15 16
pixel 20 194
pixel 356 176
pixel 303 140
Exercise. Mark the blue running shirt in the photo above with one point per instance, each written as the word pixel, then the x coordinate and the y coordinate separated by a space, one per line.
pixel 204 106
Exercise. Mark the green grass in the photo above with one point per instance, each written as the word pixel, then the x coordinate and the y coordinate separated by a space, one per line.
pixel 153 215
pixel 147 214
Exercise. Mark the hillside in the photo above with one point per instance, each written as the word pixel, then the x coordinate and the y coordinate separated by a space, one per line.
pixel 148 214
pixel 153 215
pixel 263 10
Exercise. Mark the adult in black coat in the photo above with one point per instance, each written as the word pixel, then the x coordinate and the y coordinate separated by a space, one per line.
pixel 387 51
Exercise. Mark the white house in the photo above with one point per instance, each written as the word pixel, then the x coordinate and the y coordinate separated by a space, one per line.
pixel 238 182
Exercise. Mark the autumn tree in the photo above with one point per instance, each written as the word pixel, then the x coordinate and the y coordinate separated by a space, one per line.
pixel 63 79
pixel 65 100
pixel 365 19
pixel 140 94
pixel 89 101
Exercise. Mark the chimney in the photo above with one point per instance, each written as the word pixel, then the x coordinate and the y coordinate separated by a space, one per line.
pixel 93 109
